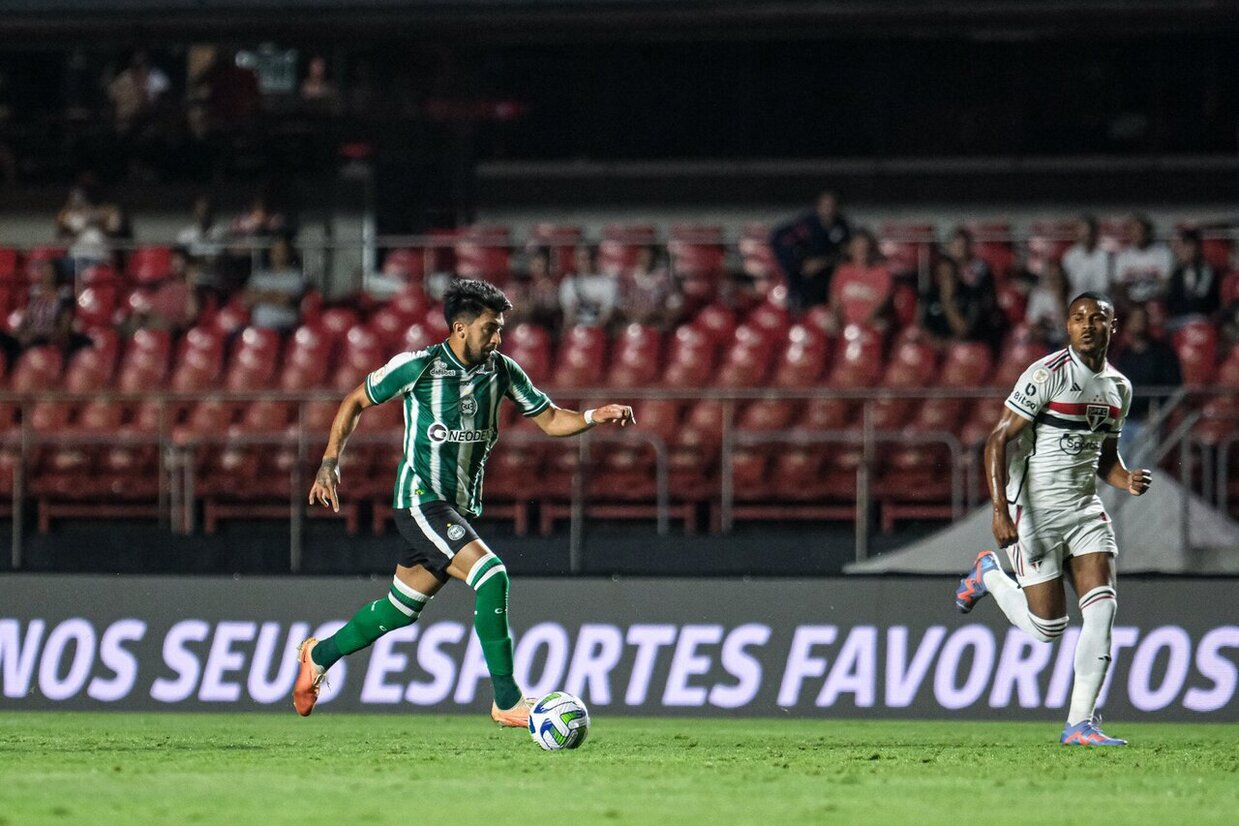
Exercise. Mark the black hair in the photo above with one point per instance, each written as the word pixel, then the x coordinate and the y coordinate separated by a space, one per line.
pixel 1191 235
pixel 1093 295
pixel 467 298
pixel 1090 221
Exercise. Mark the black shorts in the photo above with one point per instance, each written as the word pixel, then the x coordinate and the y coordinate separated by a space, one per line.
pixel 433 533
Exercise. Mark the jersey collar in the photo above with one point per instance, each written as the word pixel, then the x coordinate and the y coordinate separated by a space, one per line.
pixel 1080 362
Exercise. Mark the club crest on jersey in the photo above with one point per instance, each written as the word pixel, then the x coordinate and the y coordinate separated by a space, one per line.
pixel 468 406
pixel 439 370
pixel 440 433
pixel 455 532
pixel 1095 415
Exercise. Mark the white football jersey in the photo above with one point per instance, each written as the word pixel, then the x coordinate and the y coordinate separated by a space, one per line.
pixel 1053 465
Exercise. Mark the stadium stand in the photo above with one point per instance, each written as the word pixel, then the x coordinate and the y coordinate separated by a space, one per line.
pixel 741 395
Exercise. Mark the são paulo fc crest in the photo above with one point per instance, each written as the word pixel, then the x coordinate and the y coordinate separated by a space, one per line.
pixel 468 406
pixel 455 532
pixel 1095 415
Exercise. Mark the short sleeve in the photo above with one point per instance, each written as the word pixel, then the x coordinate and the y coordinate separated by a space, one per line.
pixel 1125 393
pixel 521 390
pixel 394 377
pixel 1032 392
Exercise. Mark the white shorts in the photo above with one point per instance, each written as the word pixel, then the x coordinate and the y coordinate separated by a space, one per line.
pixel 1046 538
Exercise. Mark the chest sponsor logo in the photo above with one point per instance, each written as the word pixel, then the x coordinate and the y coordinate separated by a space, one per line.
pixel 468 406
pixel 1073 444
pixel 439 370
pixel 440 433
pixel 1095 415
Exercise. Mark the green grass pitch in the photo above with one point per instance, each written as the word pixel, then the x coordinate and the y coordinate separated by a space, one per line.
pixel 237 769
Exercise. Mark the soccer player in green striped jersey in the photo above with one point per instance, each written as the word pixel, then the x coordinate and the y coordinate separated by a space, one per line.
pixel 450 393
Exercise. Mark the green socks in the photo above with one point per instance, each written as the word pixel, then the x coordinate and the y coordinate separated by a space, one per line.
pixel 489 578
pixel 399 608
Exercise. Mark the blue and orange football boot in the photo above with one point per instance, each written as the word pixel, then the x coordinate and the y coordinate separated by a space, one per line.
pixel 972 587
pixel 1088 733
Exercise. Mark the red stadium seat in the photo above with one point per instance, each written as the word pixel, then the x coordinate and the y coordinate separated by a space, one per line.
pixel 907 247
pixel 691 360
pixel 967 365
pixel 199 362
pixel 148 265
pixel 913 366
pixel 637 357
pixel 697 256
pixel 254 358
pixel 1196 345
pixel 484 252
pixel 718 322
pixel 748 360
pixel 530 346
pixel 35 256
pixel 8 264
pixel 581 357
pixel 991 242
pixel 561 240
pixel 621 244
pixel 145 361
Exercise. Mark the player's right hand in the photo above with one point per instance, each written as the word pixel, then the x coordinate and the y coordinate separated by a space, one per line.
pixel 1004 529
pixel 324 489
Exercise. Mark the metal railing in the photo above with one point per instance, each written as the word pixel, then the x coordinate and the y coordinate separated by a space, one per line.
pixel 177 501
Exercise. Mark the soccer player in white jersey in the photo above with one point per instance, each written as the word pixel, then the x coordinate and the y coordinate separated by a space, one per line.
pixel 1059 432
pixel 451 393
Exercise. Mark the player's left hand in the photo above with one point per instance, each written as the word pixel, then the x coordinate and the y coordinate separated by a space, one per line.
pixel 1139 481
pixel 620 414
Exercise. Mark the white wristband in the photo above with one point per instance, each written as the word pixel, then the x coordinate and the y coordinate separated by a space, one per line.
pixel 589 417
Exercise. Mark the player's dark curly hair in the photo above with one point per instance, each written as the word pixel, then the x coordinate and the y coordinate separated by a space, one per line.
pixel 466 299
pixel 1092 295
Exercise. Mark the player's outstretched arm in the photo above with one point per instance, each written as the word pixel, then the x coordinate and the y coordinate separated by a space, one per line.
pixel 1111 468
pixel 559 421
pixel 1008 428
pixel 327 479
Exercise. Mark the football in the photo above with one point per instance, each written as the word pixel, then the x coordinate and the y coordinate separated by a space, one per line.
pixel 559 721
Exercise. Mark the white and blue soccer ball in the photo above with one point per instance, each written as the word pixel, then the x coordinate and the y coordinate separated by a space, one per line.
pixel 559 721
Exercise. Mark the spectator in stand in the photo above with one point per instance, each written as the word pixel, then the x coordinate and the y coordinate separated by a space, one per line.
pixel 861 290
pixel 204 242
pixel 1046 313
pixel 317 91
pixel 587 296
pixel 1195 290
pixel 135 91
pixel 648 293
pixel 952 310
pixel 205 237
pixel 535 294
pixel 273 293
pixel 48 317
pixel 259 221
pixel 808 249
pixel 88 227
pixel 173 303
pixel 1089 268
pixel 1142 270
pixel 1149 363
pixel 972 268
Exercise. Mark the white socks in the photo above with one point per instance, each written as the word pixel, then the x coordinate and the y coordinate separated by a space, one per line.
pixel 1092 652
pixel 1011 600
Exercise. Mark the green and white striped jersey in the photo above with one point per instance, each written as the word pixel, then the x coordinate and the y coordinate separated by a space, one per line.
pixel 451 420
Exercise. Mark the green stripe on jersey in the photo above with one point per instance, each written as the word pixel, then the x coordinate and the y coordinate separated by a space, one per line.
pixel 451 417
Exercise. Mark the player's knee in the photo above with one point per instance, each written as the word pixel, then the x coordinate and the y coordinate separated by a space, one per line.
pixel 1047 630
pixel 1099 605
pixel 488 571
